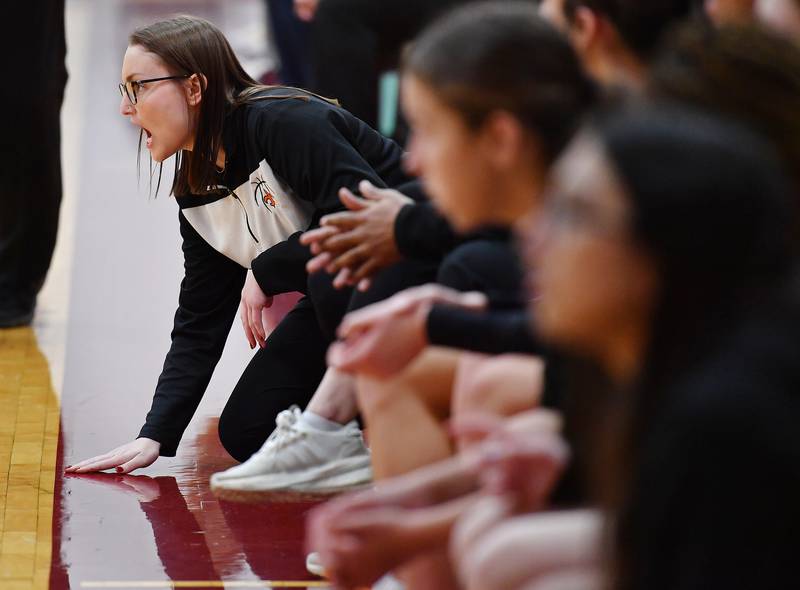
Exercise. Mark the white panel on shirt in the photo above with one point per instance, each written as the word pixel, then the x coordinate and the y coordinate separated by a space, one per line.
pixel 267 203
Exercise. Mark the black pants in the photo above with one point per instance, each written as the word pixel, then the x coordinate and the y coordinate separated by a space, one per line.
pixel 333 304
pixel 489 265
pixel 353 41
pixel 30 169
pixel 289 369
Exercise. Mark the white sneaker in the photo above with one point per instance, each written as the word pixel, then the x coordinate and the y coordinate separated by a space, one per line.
pixel 314 565
pixel 297 459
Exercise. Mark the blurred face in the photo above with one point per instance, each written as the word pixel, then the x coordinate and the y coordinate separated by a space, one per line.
pixel 593 286
pixel 724 12
pixel 448 156
pixel 162 108
pixel 780 15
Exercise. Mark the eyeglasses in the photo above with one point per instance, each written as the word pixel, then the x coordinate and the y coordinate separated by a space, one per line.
pixel 131 88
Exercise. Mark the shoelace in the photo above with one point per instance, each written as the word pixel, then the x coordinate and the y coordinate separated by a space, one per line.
pixel 285 432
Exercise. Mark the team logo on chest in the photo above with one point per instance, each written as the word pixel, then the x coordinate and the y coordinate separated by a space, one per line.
pixel 263 193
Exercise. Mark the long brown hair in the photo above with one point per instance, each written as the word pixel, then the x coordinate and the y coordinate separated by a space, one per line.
pixel 681 168
pixel 191 45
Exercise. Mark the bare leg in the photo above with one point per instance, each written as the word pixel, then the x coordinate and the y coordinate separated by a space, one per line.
pixel 335 398
pixel 404 415
pixel 502 385
pixel 405 432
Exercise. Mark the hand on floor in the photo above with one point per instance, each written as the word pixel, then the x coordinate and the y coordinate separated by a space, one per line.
pixel 124 459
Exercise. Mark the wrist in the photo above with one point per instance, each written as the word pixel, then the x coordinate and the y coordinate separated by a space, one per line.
pixel 421 322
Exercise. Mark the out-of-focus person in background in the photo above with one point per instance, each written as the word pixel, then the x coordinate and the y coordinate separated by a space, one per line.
pixel 616 39
pixel 291 35
pixel 35 75
pixel 353 41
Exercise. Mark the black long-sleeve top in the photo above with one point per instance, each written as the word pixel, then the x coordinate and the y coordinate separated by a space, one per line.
pixel 422 232
pixel 717 482
pixel 286 160
pixel 489 332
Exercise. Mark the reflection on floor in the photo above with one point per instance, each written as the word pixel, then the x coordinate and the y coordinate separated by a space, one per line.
pixel 28 439
pixel 176 534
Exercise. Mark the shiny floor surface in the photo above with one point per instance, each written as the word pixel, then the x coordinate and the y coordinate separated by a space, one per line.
pixel 104 328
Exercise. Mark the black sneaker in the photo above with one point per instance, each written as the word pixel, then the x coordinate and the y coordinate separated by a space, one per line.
pixel 13 316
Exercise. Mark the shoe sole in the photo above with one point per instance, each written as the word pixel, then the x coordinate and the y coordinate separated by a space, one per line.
pixel 315 490
pixel 340 473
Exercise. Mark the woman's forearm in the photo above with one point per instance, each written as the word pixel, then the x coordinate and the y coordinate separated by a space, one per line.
pixel 429 528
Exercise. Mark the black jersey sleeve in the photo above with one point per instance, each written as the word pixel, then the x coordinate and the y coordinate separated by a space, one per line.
pixel 491 332
pixel 209 296
pixel 316 149
pixel 422 232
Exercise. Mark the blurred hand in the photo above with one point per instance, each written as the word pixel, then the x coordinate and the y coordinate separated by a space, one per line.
pixel 525 467
pixel 361 542
pixel 382 339
pixel 385 348
pixel 253 311
pixel 474 524
pixel 305 9
pixel 478 427
pixel 124 459
pixel 357 243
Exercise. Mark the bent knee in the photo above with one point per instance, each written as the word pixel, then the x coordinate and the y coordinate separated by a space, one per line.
pixel 236 441
pixel 504 385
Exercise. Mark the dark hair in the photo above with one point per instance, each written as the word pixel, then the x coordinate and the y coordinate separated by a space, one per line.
pixel 711 206
pixel 640 23
pixel 745 73
pixel 191 45
pixel 491 56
